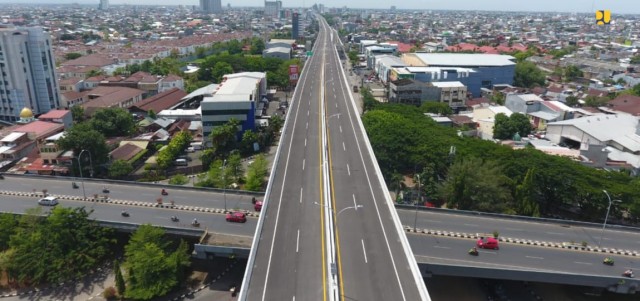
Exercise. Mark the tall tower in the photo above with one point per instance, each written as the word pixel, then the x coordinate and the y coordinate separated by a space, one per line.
pixel 104 5
pixel 211 6
pixel 295 25
pixel 27 72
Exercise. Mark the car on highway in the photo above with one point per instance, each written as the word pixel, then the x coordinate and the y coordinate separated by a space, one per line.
pixel 258 206
pixel 236 217
pixel 48 201
pixel 487 243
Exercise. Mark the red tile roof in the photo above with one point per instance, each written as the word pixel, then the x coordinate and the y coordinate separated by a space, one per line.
pixel 125 152
pixel 41 128
pixel 54 114
pixel 161 101
pixel 626 103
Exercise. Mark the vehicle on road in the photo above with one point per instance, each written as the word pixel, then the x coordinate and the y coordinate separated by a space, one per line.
pixel 74 185
pixel 1 177
pixel 236 217
pixel 608 261
pixel 48 201
pixel 473 251
pixel 125 213
pixel 174 218
pixel 487 243
pixel 258 206
pixel 164 192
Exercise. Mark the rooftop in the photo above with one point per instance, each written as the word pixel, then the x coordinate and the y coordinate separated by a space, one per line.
pixel 465 59
pixel 604 127
pixel 448 84
pixel 54 114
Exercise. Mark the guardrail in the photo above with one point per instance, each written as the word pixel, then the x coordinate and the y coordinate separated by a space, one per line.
pixel 517 217
pixel 134 183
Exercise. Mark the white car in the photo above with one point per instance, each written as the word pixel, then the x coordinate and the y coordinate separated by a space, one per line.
pixel 48 201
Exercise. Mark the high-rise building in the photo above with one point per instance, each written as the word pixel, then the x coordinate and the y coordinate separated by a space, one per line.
pixel 27 72
pixel 272 8
pixel 211 6
pixel 295 25
pixel 104 5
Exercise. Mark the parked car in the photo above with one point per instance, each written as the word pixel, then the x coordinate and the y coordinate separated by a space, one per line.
pixel 48 201
pixel 236 217
pixel 488 243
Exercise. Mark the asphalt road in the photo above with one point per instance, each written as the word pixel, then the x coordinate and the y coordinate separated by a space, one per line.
pixel 139 215
pixel 550 232
pixel 289 259
pixel 131 192
pixel 453 251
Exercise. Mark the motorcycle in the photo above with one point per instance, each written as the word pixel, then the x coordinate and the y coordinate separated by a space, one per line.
pixel 105 190
pixel 608 261
pixel 164 192
pixel 628 274
pixel 74 185
pixel 125 214
pixel 195 223
pixel 174 219
pixel 473 252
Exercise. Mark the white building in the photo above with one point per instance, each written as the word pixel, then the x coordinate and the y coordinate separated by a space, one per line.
pixel 272 8
pixel 27 72
pixel 238 96
pixel 485 116
pixel 453 93
pixel 104 5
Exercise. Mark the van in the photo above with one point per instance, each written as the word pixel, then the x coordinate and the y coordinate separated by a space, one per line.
pixel 180 162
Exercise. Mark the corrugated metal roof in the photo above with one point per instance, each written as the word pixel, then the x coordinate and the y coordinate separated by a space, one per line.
pixel 465 59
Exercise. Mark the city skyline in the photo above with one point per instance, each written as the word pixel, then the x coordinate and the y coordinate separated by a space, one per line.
pixel 579 6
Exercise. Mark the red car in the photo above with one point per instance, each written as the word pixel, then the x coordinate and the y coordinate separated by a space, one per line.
pixel 258 206
pixel 488 243
pixel 236 217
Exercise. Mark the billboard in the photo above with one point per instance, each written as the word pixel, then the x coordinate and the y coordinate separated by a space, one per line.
pixel 293 74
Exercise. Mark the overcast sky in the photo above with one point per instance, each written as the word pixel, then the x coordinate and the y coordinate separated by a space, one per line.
pixel 616 6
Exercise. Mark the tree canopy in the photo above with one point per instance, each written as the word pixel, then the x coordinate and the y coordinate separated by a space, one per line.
pixel 506 127
pixel 528 75
pixel 83 136
pixel 113 122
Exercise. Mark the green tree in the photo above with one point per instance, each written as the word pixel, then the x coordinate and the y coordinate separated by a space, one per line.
pixel 526 196
pixel 502 127
pixel 635 60
pixel 474 184
pixel 151 114
pixel 224 138
pixel 435 107
pixel 256 173
pixel 571 72
pixel 82 136
pixel 219 70
pixel 119 169
pixel 77 113
pixel 498 98
pixel 520 124
pixel 248 139
pixel 179 179
pixel 257 45
pixel 234 168
pixel 234 47
pixel 572 101
pixel 528 75
pixel 72 55
pixel 120 284
pixel 64 245
pixel 594 101
pixel 8 224
pixel 113 122
pixel 154 270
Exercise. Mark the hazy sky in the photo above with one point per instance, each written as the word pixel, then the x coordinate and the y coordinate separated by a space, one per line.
pixel 616 6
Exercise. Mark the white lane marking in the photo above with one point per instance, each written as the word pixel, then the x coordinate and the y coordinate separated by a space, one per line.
pixel 514 229
pixel 298 242
pixel 441 247
pixel 348 170
pixel 307 112
pixel 301 194
pixel 472 225
pixel 307 125
pixel 534 257
pixel 336 102
pixel 364 251
pixel 580 262
pixel 303 161
pixel 294 298
pixel 340 129
pixel 555 233
pixel 305 141
pixel 344 147
pixel 354 202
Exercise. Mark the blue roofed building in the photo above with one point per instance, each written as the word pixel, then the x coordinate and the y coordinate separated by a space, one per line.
pixel 476 71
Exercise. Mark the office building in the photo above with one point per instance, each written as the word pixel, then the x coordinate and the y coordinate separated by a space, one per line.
pixel 295 25
pixel 238 96
pixel 272 8
pixel 27 72
pixel 104 5
pixel 211 6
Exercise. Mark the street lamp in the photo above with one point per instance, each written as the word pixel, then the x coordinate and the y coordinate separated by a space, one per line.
pixel 84 194
pixel 90 162
pixel 224 183
pixel 415 220
pixel 606 216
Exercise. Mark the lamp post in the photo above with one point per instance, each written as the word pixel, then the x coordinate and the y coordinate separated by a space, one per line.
pixel 224 184
pixel 606 216
pixel 90 161
pixel 84 194
pixel 415 220
pixel 341 210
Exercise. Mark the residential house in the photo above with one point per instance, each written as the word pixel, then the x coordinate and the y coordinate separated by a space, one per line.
pixel 629 104
pixel 159 102
pixel 58 116
pixel 110 97
pixel 539 111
